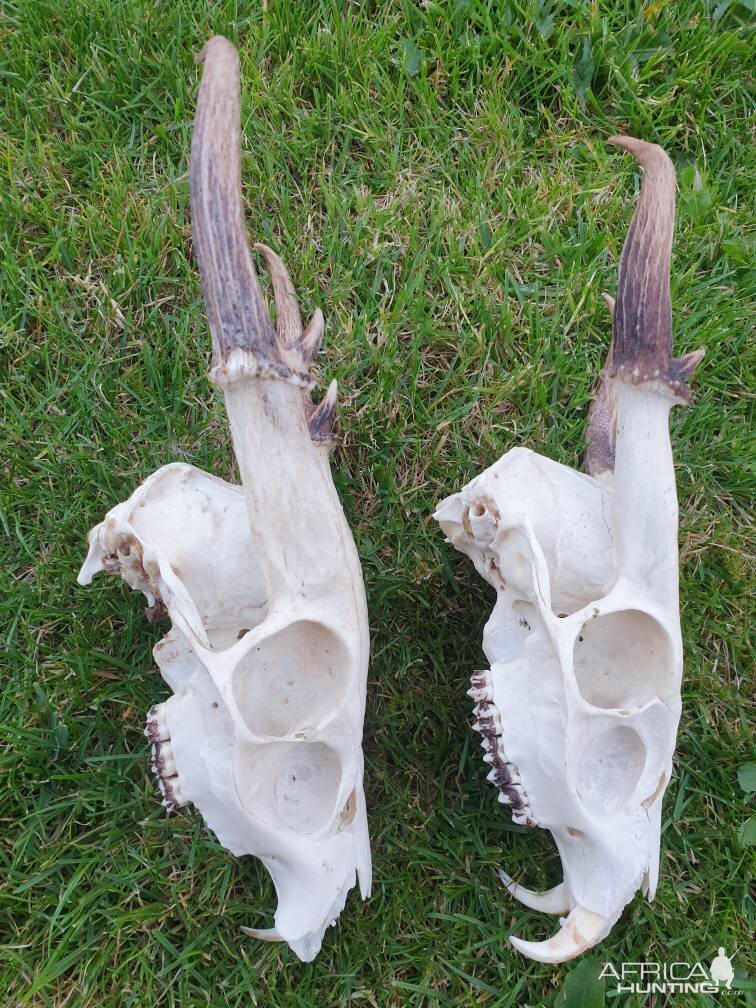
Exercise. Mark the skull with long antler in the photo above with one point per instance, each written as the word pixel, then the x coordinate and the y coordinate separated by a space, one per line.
pixel 579 709
pixel 267 655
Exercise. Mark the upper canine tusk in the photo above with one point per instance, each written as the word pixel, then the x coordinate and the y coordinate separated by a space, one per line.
pixel 580 931
pixel 554 901
pixel 263 934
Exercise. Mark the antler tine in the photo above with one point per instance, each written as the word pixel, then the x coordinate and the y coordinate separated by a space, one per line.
pixel 236 309
pixel 642 345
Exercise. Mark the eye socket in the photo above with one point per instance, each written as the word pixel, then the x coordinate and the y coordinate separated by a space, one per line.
pixel 623 660
pixel 288 682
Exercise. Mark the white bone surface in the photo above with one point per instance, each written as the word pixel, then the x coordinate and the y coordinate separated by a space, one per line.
pixel 268 650
pixel 265 719
pixel 580 705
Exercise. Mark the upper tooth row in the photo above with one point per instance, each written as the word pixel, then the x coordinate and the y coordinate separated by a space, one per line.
pixel 488 722
pixel 156 729
pixel 163 761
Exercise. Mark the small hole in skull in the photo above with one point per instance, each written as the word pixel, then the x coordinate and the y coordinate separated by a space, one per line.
pixel 214 705
pixel 478 509
pixel 299 773
pixel 241 633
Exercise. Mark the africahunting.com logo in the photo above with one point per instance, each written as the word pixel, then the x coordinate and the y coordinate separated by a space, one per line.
pixel 671 978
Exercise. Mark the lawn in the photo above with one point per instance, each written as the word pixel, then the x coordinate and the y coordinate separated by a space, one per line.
pixel 436 175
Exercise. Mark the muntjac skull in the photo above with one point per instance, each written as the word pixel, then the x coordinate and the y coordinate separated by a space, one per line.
pixel 267 654
pixel 579 710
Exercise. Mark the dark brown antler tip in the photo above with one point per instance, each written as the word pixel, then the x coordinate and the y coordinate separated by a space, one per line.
pixel 322 418
pixel 642 349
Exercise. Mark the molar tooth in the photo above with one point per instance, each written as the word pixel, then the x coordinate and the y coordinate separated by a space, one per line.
pixel 169 763
pixel 157 726
pixel 503 798
pixel 488 758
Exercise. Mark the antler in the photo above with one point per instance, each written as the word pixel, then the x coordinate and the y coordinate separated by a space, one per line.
pixel 243 338
pixel 641 350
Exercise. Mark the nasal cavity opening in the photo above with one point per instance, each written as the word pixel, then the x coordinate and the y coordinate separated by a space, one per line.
pixel 622 660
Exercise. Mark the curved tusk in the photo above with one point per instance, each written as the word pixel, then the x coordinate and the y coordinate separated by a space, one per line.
pixel 555 901
pixel 263 934
pixel 580 931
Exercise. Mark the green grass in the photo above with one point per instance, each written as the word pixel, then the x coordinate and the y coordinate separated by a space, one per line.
pixel 437 178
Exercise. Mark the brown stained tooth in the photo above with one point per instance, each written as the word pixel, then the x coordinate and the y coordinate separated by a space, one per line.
pixel 156 728
pixel 503 774
pixel 480 679
pixel 489 728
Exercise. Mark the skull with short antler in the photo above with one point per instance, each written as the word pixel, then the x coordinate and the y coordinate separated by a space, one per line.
pixel 579 710
pixel 267 655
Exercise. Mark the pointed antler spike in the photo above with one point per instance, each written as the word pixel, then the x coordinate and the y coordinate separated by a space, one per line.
pixel 312 337
pixel 323 416
pixel 288 319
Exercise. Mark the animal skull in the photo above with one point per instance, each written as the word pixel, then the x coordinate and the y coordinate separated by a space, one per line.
pixel 579 709
pixel 268 649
